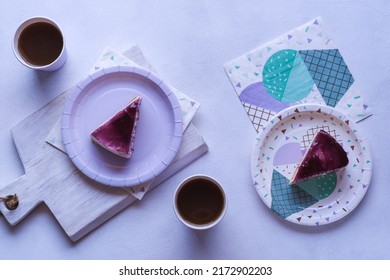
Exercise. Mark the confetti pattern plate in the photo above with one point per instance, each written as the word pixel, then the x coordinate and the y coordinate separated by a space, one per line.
pixel 97 98
pixel 281 145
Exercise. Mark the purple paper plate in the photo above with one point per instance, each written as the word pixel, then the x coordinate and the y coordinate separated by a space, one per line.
pixel 100 96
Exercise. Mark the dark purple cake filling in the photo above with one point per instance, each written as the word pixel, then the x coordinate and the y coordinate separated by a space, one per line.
pixel 324 155
pixel 118 133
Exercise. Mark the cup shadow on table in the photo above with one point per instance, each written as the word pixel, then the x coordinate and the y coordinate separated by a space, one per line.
pixel 202 243
pixel 43 77
pixel 46 81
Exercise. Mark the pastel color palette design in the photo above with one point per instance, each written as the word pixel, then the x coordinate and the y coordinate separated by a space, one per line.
pixel 256 94
pixel 320 187
pixel 285 76
pixel 302 66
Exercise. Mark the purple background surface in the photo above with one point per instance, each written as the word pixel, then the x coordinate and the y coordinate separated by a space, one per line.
pixel 188 42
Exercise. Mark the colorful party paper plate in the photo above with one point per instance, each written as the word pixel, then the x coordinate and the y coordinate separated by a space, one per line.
pixel 97 98
pixel 278 150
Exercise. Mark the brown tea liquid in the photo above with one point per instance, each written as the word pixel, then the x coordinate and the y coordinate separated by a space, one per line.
pixel 200 201
pixel 40 43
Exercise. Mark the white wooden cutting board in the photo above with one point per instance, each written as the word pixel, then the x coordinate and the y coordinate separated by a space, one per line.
pixel 78 203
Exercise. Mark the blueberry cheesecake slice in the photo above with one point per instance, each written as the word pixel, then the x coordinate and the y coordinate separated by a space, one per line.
pixel 117 134
pixel 324 155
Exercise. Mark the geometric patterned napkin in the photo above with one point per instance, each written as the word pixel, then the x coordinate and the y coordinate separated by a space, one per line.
pixel 301 66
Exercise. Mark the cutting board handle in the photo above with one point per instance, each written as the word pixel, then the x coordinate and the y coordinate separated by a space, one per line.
pixel 28 199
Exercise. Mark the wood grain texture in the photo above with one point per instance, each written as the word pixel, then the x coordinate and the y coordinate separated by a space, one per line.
pixel 77 202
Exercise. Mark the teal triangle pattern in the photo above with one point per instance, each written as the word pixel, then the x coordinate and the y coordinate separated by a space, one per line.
pixel 320 187
pixel 287 199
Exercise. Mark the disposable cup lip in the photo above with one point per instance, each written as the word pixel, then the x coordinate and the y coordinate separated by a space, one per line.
pixel 57 63
pixel 199 226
